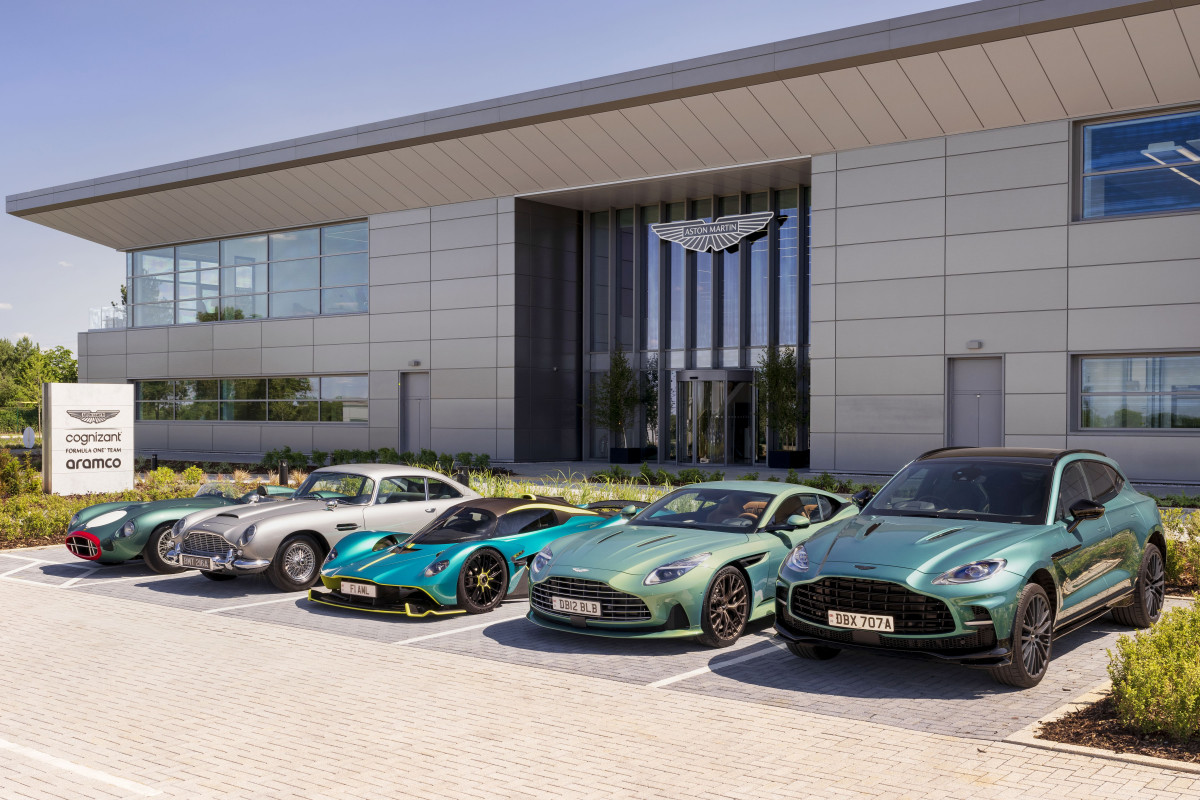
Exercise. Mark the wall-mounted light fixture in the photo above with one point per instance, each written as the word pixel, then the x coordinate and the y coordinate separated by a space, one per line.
pixel 416 362
pixel 975 344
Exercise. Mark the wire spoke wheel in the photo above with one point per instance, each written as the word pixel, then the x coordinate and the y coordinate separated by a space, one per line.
pixel 163 543
pixel 299 560
pixel 1035 635
pixel 1154 588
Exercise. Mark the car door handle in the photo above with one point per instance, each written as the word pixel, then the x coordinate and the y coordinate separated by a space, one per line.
pixel 346 526
pixel 431 510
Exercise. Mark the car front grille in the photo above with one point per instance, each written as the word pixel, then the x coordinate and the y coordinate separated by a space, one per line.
pixel 83 546
pixel 912 613
pixel 614 605
pixel 983 639
pixel 199 543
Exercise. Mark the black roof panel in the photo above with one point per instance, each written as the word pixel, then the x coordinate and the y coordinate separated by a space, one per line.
pixel 1048 455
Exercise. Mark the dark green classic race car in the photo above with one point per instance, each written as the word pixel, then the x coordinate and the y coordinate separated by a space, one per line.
pixel 110 533
pixel 981 556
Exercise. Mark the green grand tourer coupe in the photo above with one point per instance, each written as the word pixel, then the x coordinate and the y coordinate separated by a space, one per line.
pixel 700 562
pixel 110 533
pixel 981 556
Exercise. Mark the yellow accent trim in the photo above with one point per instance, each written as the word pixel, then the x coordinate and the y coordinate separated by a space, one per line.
pixel 580 511
pixel 376 561
pixel 407 612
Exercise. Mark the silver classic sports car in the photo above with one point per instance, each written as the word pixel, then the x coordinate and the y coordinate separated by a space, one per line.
pixel 288 540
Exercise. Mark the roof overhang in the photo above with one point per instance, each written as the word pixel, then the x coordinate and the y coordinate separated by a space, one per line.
pixel 982 65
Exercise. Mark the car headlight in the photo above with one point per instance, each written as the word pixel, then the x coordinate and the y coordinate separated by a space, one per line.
pixel 128 529
pixel 541 561
pixel 247 536
pixel 676 569
pixel 798 559
pixel 436 567
pixel 970 573
pixel 332 555
pixel 177 530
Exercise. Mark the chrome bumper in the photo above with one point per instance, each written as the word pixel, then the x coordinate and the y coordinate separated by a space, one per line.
pixel 230 562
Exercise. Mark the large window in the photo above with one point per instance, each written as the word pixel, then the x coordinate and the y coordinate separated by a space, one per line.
pixel 340 398
pixel 1141 166
pixel 300 273
pixel 1139 392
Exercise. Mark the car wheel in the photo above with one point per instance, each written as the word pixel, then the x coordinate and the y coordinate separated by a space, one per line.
pixel 156 548
pixel 296 565
pixel 813 652
pixel 1149 594
pixel 1033 628
pixel 217 576
pixel 726 608
pixel 482 582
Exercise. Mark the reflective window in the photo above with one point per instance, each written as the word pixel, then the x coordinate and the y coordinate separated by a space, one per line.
pixel 203 255
pixel 731 288
pixel 624 267
pixel 788 293
pixel 1141 166
pixel 154 288
pixel 598 285
pixel 289 275
pixel 192 285
pixel 295 244
pixel 249 250
pixel 704 283
pixel 650 279
pixel 289 399
pixel 153 262
pixel 346 300
pixel 244 280
pixel 1135 392
pixel 252 306
pixel 760 276
pixel 296 304
pixel 344 270
pixel 344 238
pixel 157 314
pixel 440 490
pixel 676 267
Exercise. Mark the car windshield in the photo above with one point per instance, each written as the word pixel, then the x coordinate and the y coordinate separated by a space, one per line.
pixel 229 491
pixel 464 524
pixel 994 491
pixel 344 487
pixel 732 510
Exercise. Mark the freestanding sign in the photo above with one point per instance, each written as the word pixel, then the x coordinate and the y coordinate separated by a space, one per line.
pixel 87 437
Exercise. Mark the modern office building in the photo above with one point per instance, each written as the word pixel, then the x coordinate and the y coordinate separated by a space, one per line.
pixel 977 225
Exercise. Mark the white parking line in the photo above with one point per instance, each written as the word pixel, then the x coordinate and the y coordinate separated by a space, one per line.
pixel 79 769
pixel 291 597
pixel 32 563
pixel 457 630
pixel 101 581
pixel 710 667
pixel 68 584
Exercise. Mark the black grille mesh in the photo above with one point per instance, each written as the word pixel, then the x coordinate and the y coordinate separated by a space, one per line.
pixel 912 613
pixel 614 605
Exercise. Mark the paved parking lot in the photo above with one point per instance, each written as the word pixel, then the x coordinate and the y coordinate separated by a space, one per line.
pixel 277 685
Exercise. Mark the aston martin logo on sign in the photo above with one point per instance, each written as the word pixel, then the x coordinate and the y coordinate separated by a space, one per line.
pixel 696 234
pixel 93 417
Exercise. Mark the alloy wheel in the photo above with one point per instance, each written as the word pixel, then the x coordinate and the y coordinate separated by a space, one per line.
pixel 727 605
pixel 1154 589
pixel 1035 635
pixel 299 561
pixel 483 579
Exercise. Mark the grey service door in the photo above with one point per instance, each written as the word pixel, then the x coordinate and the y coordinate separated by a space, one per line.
pixel 976 402
pixel 414 411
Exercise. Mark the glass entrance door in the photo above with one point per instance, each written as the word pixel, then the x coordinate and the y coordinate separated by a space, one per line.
pixel 701 421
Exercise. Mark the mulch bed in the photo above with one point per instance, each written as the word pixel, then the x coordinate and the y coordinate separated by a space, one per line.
pixel 1182 589
pixel 31 541
pixel 1098 726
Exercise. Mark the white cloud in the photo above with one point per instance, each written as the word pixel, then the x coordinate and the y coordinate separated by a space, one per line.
pixel 19 335
pixel 65 264
pixel 5 306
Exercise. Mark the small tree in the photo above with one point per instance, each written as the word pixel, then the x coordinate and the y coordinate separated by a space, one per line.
pixel 615 396
pixel 778 398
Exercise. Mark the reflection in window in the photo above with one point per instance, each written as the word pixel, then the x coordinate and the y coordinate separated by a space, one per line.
pixel 760 276
pixel 296 399
pixel 249 250
pixel 650 279
pixel 704 283
pixel 624 268
pixel 296 304
pixel 346 300
pixel 289 275
pixel 789 265
pixel 731 286
pixel 598 287
pixel 1141 166
pixel 676 270
pixel 1135 392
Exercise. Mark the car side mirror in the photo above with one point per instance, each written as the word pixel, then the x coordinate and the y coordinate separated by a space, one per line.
pixel 798 522
pixel 331 504
pixel 862 498
pixel 629 511
pixel 1084 510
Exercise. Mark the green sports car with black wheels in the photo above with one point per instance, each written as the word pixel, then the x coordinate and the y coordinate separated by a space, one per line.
pixel 109 533
pixel 700 562
pixel 981 556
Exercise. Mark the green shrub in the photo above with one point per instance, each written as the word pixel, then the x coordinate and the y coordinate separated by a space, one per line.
pixel 17 475
pixel 388 455
pixel 1178 501
pixel 162 478
pixel 464 459
pixel 482 461
pixel 318 458
pixel 1156 676
pixel 407 457
pixel 749 476
pixel 715 475
pixel 426 458
pixel 444 463
pixel 193 475
pixel 341 457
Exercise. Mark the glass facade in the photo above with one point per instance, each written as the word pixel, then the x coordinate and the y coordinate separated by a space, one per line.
pixel 1139 392
pixel 1141 166
pixel 299 273
pixel 341 398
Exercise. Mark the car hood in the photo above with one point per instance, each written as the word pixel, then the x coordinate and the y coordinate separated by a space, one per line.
pixel 234 516
pixel 401 566
pixel 134 509
pixel 639 548
pixel 921 544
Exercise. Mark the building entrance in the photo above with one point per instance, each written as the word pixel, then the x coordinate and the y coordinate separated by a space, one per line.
pixel 715 417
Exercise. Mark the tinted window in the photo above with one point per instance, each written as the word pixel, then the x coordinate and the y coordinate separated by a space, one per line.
pixel 711 509
pixel 1103 481
pixel 343 486
pixel 527 521
pixel 401 490
pixel 967 489
pixel 1071 488
pixel 459 524
pixel 440 490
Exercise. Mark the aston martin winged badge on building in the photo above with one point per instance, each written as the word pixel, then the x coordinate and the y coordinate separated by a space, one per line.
pixel 699 235
pixel 93 417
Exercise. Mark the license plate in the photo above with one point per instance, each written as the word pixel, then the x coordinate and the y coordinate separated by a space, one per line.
pixel 862 622
pixel 196 562
pixel 358 589
pixel 581 608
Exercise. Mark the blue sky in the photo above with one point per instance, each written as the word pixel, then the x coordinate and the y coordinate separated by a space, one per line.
pixel 93 88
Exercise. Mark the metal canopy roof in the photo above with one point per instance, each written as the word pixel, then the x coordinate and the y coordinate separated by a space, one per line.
pixel 971 67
